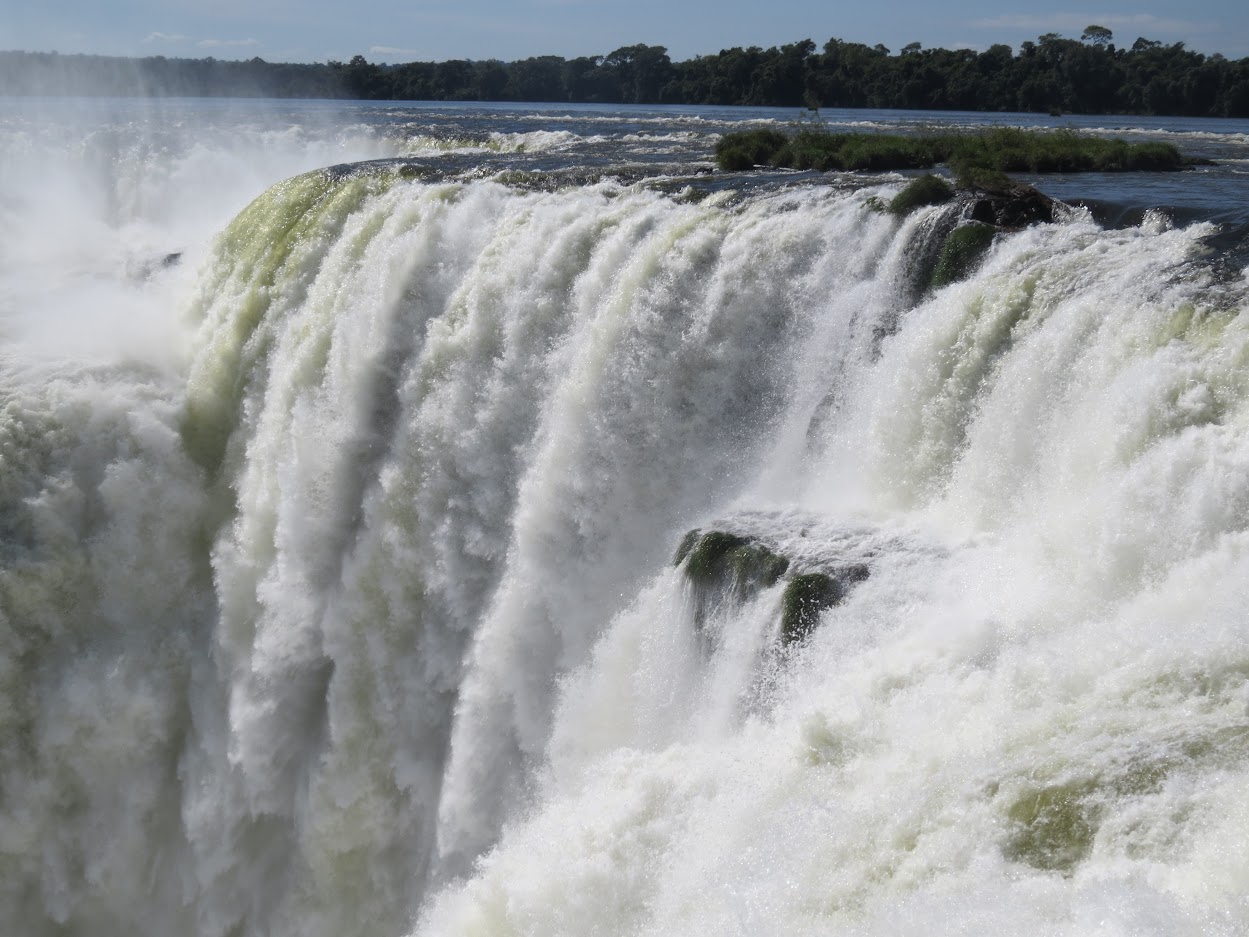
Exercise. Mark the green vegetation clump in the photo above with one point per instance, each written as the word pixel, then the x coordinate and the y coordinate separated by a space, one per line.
pixel 969 176
pixel 925 190
pixel 961 252
pixel 748 149
pixel 1156 157
pixel 821 150
pixel 1013 149
pixel 806 596
pixel 1004 149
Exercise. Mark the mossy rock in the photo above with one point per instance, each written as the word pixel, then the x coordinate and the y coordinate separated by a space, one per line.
pixel 961 253
pixel 705 554
pixel 1018 207
pixel 996 199
pixel 806 596
pixel 723 565
pixel 720 557
pixel 924 190
pixel 687 544
pixel 757 567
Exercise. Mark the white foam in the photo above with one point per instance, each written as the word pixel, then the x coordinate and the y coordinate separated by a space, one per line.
pixel 340 597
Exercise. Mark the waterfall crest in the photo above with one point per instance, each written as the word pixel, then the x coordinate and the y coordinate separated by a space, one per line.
pixel 373 619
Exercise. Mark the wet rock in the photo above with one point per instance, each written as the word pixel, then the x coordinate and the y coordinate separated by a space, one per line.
pixel 950 246
pixel 992 197
pixel 923 190
pixel 961 252
pixel 808 595
pixel 723 565
pixel 1015 205
pixel 805 598
pixel 716 556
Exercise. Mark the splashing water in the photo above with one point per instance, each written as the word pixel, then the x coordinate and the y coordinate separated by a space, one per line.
pixel 349 605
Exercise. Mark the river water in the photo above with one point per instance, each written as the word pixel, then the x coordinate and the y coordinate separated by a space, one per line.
pixel 345 454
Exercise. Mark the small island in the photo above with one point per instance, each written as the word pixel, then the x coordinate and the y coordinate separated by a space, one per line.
pixel 999 149
pixel 987 201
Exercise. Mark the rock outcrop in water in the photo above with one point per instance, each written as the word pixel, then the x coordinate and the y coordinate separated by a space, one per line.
pixel 984 204
pixel 994 198
pixel 961 252
pixel 923 190
pixel 718 556
pixel 809 594
pixel 721 564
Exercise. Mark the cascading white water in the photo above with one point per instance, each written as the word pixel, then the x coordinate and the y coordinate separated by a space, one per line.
pixel 364 619
pixel 1033 717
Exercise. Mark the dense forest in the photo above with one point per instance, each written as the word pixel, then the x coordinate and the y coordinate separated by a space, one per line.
pixel 1091 75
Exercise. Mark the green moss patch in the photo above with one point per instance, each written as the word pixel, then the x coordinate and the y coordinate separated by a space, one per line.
pixel 961 253
pixel 806 596
pixel 707 555
pixel 716 556
pixel 925 190
pixel 688 542
pixel 727 566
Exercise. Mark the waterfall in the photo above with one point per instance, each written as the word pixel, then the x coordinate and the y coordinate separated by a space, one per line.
pixel 364 618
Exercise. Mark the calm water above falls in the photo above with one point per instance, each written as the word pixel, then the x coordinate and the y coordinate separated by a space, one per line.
pixel 337 592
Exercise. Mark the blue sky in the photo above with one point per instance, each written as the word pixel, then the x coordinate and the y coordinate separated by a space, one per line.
pixel 408 30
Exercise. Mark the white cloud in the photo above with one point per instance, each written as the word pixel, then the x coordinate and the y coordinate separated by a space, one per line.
pixel 390 50
pixel 165 37
pixel 1075 22
pixel 218 43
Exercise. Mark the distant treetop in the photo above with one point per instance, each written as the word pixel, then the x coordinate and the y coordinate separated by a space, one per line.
pixel 1051 75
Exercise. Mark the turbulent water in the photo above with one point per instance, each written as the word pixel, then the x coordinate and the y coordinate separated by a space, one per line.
pixel 345 453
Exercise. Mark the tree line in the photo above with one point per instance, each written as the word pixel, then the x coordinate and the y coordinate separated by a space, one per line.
pixel 1054 74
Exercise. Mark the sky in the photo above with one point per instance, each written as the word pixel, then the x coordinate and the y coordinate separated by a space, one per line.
pixel 436 30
